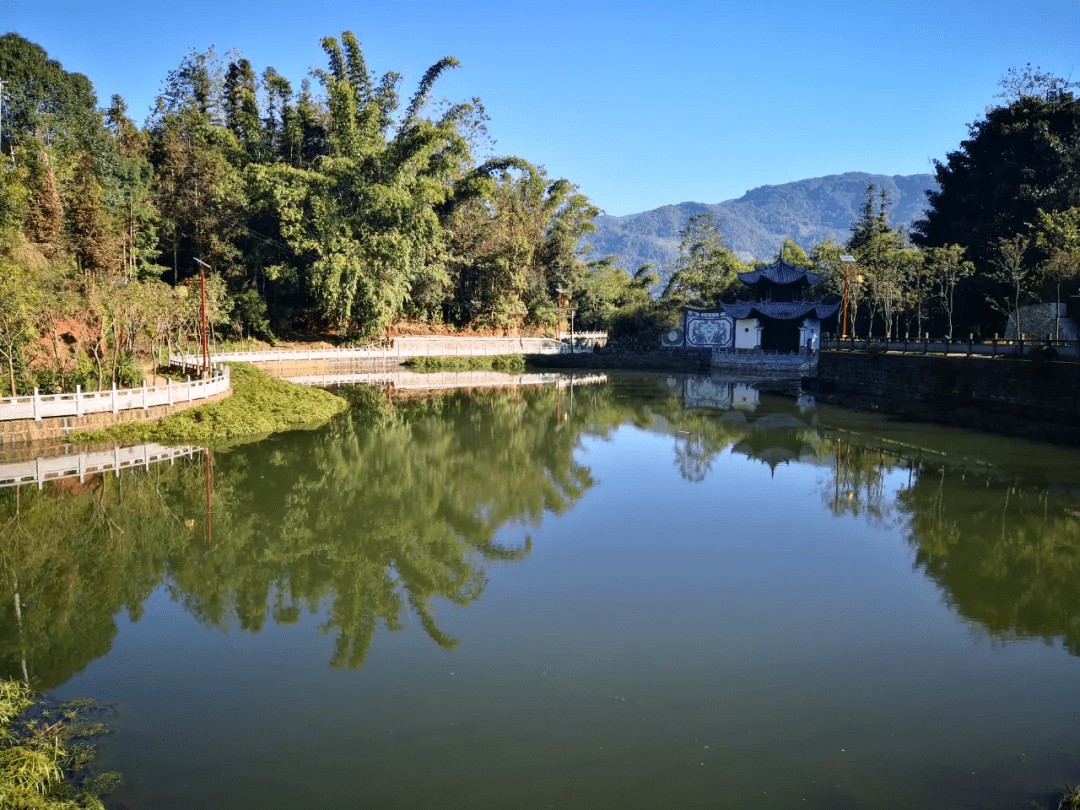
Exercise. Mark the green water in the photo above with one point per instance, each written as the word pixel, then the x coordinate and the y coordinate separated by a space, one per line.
pixel 655 592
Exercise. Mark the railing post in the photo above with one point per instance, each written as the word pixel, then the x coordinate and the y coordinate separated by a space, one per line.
pixel 1021 355
pixel 78 400
pixel 168 389
pixel 144 405
pixel 971 339
pixel 189 388
pixel 37 416
pixel 114 408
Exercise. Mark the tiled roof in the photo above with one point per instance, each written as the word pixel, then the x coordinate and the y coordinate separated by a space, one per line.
pixel 780 272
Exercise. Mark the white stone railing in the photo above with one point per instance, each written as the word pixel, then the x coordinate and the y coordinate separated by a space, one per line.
pixel 40 470
pixel 408 346
pixel 412 380
pixel 38 406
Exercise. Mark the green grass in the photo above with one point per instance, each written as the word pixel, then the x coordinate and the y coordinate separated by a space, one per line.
pixel 259 405
pixel 509 363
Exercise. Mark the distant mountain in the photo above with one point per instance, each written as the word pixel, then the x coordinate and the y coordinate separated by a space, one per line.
pixel 756 224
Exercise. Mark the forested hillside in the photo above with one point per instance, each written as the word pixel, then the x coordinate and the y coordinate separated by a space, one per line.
pixel 756 224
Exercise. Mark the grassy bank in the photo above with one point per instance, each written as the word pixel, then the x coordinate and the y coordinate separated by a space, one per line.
pixel 508 363
pixel 260 404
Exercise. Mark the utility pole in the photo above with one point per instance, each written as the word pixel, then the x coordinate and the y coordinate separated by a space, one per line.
pixel 202 316
pixel 847 261
pixel 1 116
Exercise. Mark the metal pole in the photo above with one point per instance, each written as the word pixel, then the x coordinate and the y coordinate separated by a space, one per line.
pixel 205 348
pixel 847 262
pixel 205 344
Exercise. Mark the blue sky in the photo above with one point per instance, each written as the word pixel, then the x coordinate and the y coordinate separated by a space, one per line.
pixel 640 104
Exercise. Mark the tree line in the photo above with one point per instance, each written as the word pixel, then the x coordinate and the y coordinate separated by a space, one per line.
pixel 340 208
pixel 336 208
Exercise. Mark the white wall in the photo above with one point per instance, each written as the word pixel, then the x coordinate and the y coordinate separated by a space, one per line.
pixel 747 333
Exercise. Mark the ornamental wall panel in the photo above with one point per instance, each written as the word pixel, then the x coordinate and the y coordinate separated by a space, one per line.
pixel 708 330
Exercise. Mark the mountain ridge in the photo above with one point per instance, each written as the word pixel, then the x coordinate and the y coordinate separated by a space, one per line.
pixel 756 224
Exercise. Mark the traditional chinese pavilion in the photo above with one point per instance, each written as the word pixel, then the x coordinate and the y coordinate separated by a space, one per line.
pixel 781 314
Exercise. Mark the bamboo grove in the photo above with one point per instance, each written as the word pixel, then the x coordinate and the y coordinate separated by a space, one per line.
pixel 336 207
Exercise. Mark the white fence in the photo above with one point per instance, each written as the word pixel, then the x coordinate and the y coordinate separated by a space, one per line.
pixel 415 381
pixel 40 470
pixel 40 406
pixel 408 346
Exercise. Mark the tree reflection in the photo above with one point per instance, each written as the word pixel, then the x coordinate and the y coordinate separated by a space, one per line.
pixel 365 522
pixel 1005 554
pixel 398 506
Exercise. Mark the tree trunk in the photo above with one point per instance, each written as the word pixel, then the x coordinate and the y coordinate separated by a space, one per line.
pixel 11 373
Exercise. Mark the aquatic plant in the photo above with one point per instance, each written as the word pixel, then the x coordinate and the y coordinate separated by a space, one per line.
pixel 47 753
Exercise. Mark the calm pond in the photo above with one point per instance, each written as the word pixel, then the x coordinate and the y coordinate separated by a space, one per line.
pixel 647 592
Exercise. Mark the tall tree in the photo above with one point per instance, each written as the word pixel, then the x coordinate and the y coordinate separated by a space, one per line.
pixel 1012 270
pixel 946 268
pixel 242 110
pixel 1022 156
pixel 706 268
pixel 885 264
pixel 1059 238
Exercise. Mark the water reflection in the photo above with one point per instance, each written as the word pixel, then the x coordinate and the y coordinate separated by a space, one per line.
pixel 397 503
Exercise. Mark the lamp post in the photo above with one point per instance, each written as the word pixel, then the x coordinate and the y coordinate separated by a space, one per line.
pixel 847 262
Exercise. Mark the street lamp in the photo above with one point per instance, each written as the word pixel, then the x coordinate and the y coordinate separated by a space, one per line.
pixel 847 262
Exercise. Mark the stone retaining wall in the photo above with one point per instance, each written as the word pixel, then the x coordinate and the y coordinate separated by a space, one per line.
pixel 695 361
pixel 1022 387
pixel 17 433
pixel 764 364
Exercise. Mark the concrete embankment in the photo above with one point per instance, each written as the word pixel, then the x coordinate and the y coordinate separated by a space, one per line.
pixel 1021 397
pixel 694 361
pixel 29 432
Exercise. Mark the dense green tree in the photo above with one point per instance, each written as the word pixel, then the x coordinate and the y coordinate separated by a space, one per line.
pixel 604 289
pixel 1022 156
pixel 885 263
pixel 793 254
pixel 348 209
pixel 513 246
pixel 43 103
pixel 706 268
pixel 242 109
